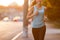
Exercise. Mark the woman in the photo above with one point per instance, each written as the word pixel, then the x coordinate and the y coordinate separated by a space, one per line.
pixel 36 13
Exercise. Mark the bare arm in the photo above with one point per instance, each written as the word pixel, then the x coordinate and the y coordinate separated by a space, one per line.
pixel 30 13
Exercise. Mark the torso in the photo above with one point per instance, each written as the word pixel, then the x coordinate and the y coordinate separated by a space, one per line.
pixel 38 21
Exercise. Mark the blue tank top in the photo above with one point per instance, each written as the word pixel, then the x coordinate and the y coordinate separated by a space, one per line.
pixel 38 21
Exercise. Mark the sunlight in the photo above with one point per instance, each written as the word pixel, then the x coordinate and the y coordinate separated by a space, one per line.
pixel 5 19
pixel 7 2
pixel 19 2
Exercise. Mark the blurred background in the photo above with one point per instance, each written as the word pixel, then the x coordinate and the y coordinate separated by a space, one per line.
pixel 11 9
pixel 11 19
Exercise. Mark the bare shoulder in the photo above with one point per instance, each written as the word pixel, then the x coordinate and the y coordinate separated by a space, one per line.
pixel 44 7
pixel 31 8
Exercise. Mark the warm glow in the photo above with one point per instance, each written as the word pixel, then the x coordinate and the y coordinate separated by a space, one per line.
pixel 6 18
pixel 20 2
pixel 7 2
pixel 16 18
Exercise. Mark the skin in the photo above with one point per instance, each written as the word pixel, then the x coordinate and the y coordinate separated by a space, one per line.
pixel 30 14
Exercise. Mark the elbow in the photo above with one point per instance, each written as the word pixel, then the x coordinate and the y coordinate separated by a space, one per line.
pixel 27 17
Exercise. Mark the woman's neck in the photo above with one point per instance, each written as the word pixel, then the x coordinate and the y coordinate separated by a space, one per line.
pixel 39 5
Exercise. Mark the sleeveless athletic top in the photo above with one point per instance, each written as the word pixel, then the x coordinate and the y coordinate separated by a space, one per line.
pixel 38 21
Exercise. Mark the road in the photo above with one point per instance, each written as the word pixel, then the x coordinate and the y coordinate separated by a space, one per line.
pixel 13 31
pixel 8 30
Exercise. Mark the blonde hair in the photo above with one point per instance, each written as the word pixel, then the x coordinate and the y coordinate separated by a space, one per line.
pixel 34 3
pixel 44 3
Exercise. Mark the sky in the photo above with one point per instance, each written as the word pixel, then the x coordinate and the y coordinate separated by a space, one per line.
pixel 7 2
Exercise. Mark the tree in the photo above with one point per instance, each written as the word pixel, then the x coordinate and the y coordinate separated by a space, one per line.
pixel 53 13
pixel 25 22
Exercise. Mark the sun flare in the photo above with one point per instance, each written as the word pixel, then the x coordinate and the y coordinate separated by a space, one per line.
pixel 7 2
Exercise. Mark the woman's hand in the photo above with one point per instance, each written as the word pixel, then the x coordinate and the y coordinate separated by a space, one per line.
pixel 36 13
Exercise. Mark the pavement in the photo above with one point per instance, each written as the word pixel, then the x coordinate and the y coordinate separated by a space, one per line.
pixel 14 31
pixel 51 34
pixel 8 30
